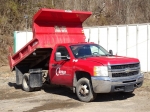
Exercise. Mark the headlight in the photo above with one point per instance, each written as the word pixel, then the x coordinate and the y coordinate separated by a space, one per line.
pixel 100 71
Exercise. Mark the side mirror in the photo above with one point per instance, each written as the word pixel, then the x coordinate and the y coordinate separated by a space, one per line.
pixel 59 57
pixel 111 52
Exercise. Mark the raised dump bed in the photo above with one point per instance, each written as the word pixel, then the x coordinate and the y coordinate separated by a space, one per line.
pixel 50 27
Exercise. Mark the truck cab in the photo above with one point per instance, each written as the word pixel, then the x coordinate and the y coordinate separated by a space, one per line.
pixel 88 61
pixel 59 54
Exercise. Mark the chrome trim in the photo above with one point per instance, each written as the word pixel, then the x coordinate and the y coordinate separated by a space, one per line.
pixel 127 63
pixel 106 84
pixel 124 70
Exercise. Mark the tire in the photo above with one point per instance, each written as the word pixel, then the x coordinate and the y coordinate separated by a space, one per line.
pixel 131 92
pixel 37 89
pixel 127 93
pixel 84 90
pixel 25 83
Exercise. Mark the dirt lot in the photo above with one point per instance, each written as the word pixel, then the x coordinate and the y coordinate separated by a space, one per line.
pixel 60 99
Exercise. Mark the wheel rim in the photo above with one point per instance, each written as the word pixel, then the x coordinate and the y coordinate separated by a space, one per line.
pixel 26 82
pixel 84 90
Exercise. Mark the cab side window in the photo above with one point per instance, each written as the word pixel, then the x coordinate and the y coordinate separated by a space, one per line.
pixel 63 51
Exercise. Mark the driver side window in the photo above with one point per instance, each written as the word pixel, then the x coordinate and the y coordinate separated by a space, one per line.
pixel 63 51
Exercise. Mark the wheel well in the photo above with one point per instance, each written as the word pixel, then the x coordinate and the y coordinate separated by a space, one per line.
pixel 80 74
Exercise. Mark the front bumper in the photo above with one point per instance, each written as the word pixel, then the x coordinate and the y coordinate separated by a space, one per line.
pixel 121 84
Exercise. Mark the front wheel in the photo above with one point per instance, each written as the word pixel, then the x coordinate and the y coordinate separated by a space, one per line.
pixel 84 90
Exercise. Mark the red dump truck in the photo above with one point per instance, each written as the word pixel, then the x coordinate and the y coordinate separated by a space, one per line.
pixel 58 54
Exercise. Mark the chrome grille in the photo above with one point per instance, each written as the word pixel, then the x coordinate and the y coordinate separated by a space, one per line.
pixel 125 70
pixel 125 74
pixel 124 66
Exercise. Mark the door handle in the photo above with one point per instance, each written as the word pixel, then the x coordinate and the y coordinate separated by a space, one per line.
pixel 54 64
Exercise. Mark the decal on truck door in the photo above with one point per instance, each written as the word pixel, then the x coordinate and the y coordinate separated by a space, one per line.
pixel 60 72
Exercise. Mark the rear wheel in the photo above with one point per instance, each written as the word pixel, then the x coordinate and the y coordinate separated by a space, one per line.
pixel 84 90
pixel 25 83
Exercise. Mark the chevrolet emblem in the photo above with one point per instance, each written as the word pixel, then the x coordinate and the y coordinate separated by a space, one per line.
pixel 127 70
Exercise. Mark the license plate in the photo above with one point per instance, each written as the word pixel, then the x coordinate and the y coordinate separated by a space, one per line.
pixel 129 88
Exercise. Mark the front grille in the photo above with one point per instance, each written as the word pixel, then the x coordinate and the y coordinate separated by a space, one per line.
pixel 125 74
pixel 125 66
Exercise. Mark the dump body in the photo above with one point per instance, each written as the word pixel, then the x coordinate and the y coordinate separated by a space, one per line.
pixel 50 27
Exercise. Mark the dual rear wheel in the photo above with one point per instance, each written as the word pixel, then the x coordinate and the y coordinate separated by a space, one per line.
pixel 25 84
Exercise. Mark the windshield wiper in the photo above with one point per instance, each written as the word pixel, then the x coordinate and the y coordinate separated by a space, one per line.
pixel 106 55
pixel 85 56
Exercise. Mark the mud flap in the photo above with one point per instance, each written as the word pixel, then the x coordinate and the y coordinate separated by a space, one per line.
pixel 19 74
pixel 35 78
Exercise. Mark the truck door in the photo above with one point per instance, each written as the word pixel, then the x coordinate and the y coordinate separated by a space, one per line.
pixel 61 70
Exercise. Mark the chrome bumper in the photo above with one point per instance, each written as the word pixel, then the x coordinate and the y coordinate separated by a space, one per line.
pixel 124 84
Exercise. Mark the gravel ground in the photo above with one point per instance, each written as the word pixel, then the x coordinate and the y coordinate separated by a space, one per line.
pixel 60 99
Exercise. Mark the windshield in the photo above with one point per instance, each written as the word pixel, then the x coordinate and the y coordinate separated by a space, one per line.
pixel 84 50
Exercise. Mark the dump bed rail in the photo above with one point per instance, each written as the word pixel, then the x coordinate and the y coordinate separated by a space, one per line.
pixel 23 53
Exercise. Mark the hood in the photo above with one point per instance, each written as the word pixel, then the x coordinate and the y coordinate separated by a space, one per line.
pixel 112 60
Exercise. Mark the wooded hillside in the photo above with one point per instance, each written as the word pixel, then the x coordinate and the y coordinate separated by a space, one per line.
pixel 15 13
